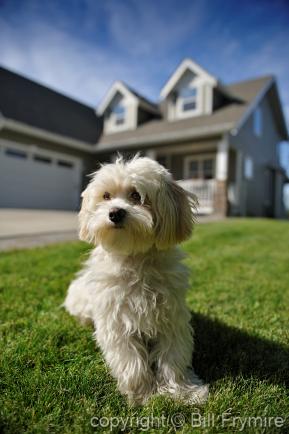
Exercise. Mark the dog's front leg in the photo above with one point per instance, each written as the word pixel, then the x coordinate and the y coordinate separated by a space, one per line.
pixel 173 360
pixel 128 359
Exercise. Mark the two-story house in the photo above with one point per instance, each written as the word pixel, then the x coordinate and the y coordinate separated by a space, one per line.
pixel 219 141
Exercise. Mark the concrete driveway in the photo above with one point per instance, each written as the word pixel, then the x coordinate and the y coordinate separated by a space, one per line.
pixel 22 228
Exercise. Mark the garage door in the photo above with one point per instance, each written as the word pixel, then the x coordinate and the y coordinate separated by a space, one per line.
pixel 33 178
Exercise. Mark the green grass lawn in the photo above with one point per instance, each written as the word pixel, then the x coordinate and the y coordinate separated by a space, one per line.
pixel 53 378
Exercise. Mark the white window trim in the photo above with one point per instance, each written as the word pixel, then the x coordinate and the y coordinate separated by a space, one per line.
pixel 180 113
pixel 193 98
pixel 111 121
pixel 199 157
pixel 197 83
pixel 115 116
pixel 130 118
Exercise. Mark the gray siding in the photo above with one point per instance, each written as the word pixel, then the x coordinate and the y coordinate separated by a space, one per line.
pixel 256 193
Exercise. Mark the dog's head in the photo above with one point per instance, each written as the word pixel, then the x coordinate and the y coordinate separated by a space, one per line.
pixel 129 207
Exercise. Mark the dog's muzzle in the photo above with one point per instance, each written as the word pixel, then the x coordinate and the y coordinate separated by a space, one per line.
pixel 117 215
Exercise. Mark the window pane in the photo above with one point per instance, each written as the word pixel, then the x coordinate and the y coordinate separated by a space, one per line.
pixel 118 109
pixel 118 112
pixel 63 163
pixel 15 153
pixel 194 169
pixel 42 159
pixel 191 105
pixel 119 120
pixel 248 168
pixel 188 92
pixel 208 169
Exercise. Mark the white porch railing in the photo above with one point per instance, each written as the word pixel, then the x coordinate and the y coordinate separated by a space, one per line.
pixel 204 189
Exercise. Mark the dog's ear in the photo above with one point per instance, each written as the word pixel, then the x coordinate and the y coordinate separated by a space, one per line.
pixel 83 218
pixel 174 214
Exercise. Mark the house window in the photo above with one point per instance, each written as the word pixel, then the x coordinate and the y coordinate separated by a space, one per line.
pixel 188 98
pixel 15 153
pixel 118 112
pixel 194 169
pixel 201 168
pixel 248 168
pixel 257 121
pixel 42 159
pixel 208 168
pixel 66 164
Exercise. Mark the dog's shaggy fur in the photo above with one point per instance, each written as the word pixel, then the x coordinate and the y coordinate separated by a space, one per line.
pixel 133 285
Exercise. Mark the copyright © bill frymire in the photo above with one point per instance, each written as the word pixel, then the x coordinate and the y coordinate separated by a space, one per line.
pixel 196 420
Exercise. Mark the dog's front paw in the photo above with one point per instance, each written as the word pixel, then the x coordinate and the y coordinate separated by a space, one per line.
pixel 138 395
pixel 135 399
pixel 194 394
pixel 191 390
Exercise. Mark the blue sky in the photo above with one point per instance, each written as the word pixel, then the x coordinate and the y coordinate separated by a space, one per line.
pixel 79 47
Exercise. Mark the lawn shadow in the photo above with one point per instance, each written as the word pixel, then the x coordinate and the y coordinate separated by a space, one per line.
pixel 221 351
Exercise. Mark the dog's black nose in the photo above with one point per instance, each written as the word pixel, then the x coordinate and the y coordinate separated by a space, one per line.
pixel 116 215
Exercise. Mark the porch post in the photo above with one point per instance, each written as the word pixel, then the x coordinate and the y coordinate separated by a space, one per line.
pixel 222 158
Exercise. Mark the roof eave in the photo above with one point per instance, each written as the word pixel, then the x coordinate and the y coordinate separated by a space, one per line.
pixel 22 128
pixel 165 138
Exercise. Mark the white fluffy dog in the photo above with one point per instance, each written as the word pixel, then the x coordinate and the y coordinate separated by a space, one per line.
pixel 133 285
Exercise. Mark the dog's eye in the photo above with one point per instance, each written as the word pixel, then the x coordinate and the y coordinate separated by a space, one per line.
pixel 106 196
pixel 135 196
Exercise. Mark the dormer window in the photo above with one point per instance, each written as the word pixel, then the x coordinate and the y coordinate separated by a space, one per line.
pixel 124 109
pixel 188 92
pixel 188 98
pixel 118 113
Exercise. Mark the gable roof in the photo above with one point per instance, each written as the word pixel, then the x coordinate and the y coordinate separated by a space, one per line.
pixel 163 131
pixel 124 89
pixel 29 103
pixel 185 65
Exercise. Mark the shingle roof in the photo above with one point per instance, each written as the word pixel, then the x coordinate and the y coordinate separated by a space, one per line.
pixel 28 102
pixel 219 121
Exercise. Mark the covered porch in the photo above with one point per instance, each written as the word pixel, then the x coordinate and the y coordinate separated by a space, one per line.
pixel 202 170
